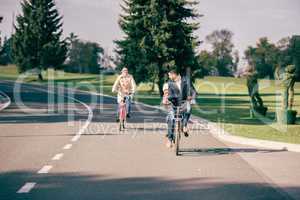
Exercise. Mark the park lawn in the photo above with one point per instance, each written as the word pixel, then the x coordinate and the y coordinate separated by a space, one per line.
pixel 221 100
pixel 225 101
pixel 10 72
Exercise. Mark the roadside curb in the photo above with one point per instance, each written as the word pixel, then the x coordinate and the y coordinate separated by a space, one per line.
pixel 7 103
pixel 221 134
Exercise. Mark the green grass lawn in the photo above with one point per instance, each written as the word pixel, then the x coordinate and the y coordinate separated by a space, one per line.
pixel 225 100
pixel 221 100
pixel 9 72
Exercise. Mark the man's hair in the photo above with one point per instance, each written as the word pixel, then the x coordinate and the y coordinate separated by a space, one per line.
pixel 173 72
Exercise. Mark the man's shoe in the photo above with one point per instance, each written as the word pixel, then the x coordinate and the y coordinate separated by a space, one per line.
pixel 185 131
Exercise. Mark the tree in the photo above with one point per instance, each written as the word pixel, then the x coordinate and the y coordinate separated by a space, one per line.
pixel 159 37
pixel 284 54
pixel 295 52
pixel 37 41
pixel 172 44
pixel 222 46
pixel 1 18
pixel 129 50
pixel 83 57
pixel 207 62
pixel 6 52
pixel 71 39
pixel 265 57
pixel 236 61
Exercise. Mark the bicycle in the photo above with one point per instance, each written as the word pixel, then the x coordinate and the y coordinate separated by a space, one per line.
pixel 123 113
pixel 178 129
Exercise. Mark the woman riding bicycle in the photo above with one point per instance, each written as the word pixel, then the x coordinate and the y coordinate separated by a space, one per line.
pixel 125 86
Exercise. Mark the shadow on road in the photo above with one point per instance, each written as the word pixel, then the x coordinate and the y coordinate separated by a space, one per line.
pixel 90 186
pixel 222 151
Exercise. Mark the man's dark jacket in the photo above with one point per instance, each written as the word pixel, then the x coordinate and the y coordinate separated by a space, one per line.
pixel 178 96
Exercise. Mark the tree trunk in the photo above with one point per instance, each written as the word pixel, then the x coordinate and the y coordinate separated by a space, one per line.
pixel 161 77
pixel 40 76
pixel 153 86
pixel 160 87
pixel 160 82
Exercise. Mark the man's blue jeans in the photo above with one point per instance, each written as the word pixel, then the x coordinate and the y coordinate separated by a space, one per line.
pixel 171 120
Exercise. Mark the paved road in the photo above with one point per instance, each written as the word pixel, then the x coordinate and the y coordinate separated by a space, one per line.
pixel 42 158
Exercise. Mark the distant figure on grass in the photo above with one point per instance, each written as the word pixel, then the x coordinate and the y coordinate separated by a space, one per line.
pixel 253 91
pixel 125 86
pixel 289 79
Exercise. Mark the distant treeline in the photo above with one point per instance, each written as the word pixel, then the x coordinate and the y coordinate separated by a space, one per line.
pixel 265 56
pixel 38 43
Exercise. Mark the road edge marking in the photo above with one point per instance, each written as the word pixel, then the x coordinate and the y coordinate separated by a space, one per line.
pixel 58 156
pixel 45 169
pixel 26 188
pixel 67 146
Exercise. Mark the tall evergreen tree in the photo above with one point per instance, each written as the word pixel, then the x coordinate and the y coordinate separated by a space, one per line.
pixel 37 41
pixel 173 43
pixel 1 18
pixel 6 52
pixel 159 37
pixel 129 49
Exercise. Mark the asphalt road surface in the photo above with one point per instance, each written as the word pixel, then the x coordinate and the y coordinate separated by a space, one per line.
pixel 71 149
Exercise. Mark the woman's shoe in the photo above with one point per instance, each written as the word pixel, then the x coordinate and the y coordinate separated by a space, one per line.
pixel 169 144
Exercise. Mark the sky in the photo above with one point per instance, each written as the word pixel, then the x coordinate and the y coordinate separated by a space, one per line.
pixel 97 20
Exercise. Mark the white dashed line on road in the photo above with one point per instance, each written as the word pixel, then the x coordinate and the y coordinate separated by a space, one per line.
pixel 26 188
pixel 45 169
pixel 67 146
pixel 58 156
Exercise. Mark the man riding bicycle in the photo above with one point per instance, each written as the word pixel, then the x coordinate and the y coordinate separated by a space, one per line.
pixel 125 86
pixel 180 93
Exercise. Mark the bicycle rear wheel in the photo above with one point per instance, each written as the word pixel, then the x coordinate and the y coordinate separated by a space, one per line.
pixel 123 124
pixel 177 139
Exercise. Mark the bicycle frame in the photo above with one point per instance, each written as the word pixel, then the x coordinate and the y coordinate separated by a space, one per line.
pixel 123 113
pixel 178 129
